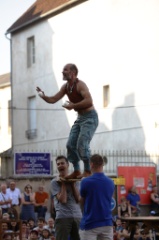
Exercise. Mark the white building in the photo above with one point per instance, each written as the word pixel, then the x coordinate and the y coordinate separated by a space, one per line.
pixel 114 43
pixel 5 112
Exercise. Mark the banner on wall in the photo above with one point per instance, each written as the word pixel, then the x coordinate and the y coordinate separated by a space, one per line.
pixel 143 177
pixel 32 164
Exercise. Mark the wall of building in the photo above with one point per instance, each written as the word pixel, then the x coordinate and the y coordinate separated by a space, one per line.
pixel 5 130
pixel 113 43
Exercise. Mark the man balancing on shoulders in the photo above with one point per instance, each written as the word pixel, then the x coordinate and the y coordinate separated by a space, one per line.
pixel 86 123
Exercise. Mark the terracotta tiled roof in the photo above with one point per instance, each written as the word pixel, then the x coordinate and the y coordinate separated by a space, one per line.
pixel 4 80
pixel 40 9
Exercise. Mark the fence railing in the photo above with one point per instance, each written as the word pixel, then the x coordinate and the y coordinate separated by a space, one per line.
pixel 132 158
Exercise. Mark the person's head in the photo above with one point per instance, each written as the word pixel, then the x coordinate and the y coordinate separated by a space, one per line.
pixel 4 226
pixel 12 185
pixel 40 222
pixel 123 199
pixel 70 72
pixel 118 222
pixel 50 222
pixel 133 190
pixel 34 235
pixel 28 188
pixel 24 225
pixel 45 233
pixel 41 189
pixel 62 165
pixel 96 163
pixel 7 236
pixel 5 216
pixel 31 222
pixel 3 187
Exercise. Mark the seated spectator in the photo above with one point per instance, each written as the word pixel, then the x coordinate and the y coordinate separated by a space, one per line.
pixel 124 208
pixel 134 201
pixel 40 225
pixel 144 236
pixel 41 200
pixel 5 216
pixel 45 234
pixel 33 235
pixel 154 201
pixel 50 226
pixel 31 224
pixel 124 233
pixel 119 226
pixel 24 230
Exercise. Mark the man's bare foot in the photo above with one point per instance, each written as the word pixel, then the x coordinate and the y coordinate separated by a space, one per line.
pixel 73 175
pixel 86 173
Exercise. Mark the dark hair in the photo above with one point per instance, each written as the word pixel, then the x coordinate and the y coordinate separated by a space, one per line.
pixel 60 157
pixel 97 160
pixel 27 187
pixel 41 219
pixel 73 68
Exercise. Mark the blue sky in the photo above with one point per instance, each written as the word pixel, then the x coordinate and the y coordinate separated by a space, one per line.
pixel 10 11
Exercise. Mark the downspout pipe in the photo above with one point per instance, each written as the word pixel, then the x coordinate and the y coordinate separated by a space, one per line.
pixel 11 82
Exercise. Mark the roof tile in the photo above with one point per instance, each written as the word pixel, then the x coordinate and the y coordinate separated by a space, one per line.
pixel 39 8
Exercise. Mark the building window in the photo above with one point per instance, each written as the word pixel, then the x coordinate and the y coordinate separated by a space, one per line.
pixel 32 131
pixel 9 117
pixel 106 95
pixel 30 51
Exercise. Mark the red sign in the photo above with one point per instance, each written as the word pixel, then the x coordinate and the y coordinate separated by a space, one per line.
pixel 143 177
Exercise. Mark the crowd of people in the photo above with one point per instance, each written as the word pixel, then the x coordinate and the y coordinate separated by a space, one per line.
pixel 129 206
pixel 82 208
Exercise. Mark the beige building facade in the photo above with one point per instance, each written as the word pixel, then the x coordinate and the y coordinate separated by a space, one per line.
pixel 114 43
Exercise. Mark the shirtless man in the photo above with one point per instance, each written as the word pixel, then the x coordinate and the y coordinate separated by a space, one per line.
pixel 82 131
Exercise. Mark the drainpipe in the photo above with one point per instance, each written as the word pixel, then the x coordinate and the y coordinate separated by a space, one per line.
pixel 11 82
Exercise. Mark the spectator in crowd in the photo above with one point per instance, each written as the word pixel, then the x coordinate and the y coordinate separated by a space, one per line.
pixel 96 195
pixel 34 235
pixel 5 216
pixel 40 225
pixel 24 230
pixel 45 235
pixel 119 226
pixel 31 224
pixel 124 207
pixel 41 200
pixel 66 201
pixel 28 201
pixel 5 200
pixel 14 225
pixel 134 200
pixel 50 226
pixel 154 201
pixel 4 227
pixel 15 196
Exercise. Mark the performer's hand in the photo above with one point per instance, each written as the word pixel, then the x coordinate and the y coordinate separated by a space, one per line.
pixel 38 89
pixel 69 105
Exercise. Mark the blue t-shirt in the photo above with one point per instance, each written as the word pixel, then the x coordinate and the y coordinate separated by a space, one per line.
pixel 133 199
pixel 97 191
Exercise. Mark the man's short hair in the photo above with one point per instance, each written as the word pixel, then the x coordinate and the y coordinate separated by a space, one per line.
pixel 60 157
pixel 97 160
pixel 73 68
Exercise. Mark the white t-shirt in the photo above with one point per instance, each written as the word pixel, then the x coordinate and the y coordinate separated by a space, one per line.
pixel 14 195
pixel 4 197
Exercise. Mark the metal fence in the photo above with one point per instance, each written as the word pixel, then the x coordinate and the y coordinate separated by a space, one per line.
pixel 113 158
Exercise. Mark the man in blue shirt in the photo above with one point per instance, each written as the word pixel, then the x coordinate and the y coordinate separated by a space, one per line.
pixel 134 200
pixel 96 194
